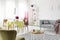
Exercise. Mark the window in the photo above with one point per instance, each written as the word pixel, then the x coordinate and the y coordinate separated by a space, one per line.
pixel 22 9
pixel 10 6
pixel 14 8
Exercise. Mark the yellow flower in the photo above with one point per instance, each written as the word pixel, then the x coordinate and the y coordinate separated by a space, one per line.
pixel 20 24
pixel 9 24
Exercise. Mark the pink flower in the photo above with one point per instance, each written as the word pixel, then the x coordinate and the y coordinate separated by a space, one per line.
pixel 17 17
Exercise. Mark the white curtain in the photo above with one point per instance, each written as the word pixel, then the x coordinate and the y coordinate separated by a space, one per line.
pixel 10 8
pixel 21 8
pixel 2 9
pixel 16 7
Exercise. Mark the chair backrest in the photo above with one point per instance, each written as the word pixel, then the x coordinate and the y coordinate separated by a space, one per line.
pixel 8 34
pixel 57 26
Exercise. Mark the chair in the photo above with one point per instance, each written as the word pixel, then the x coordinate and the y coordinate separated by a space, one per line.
pixel 8 34
pixel 57 26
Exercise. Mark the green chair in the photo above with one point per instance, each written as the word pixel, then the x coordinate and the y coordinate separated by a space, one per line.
pixel 20 38
pixel 8 34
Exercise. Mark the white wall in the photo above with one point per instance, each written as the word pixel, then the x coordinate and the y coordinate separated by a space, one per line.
pixel 49 9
